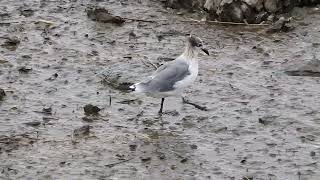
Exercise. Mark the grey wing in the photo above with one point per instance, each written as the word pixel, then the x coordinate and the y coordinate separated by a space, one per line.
pixel 167 76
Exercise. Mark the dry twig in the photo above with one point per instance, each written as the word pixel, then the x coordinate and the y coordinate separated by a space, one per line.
pixel 120 162
pixel 226 23
pixel 149 63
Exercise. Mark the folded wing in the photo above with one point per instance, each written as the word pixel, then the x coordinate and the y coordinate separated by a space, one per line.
pixel 165 78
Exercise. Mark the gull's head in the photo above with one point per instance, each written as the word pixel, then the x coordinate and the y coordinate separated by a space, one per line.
pixel 196 43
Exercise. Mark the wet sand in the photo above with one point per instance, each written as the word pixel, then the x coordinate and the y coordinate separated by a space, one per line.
pixel 261 123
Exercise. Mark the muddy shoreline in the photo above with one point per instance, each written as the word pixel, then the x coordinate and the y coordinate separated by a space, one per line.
pixel 261 123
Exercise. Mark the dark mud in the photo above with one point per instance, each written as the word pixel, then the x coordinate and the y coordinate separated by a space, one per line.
pixel 260 123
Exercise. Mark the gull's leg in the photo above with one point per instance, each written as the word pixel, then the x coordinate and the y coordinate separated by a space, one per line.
pixel 183 99
pixel 160 111
pixel 186 101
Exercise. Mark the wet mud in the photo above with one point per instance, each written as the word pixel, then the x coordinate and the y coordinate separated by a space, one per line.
pixel 260 121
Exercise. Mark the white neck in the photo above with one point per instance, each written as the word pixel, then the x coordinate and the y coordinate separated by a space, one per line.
pixel 190 53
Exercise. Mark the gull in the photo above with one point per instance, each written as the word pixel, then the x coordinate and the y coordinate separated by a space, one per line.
pixel 173 77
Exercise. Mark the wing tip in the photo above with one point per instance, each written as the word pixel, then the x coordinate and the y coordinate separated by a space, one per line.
pixel 132 87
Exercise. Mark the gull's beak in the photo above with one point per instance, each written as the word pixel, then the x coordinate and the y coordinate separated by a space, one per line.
pixel 205 51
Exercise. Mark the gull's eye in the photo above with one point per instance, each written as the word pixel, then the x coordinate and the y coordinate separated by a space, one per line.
pixel 199 45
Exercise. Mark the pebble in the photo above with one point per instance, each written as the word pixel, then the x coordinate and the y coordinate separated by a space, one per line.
pixel 90 109
pixel 2 94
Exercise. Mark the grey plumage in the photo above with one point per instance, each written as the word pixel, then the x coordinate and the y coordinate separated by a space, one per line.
pixel 165 78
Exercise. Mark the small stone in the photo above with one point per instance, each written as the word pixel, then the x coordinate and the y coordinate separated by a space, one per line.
pixel 145 159
pixel 132 36
pixel 33 124
pixel 2 61
pixel 2 94
pixel 243 161
pixel 272 155
pixel 312 153
pixel 102 15
pixel 47 110
pixel 266 120
pixel 162 156
pixel 90 109
pixel 24 69
pixel 173 128
pixel 184 160
pixel 193 146
pixel 27 12
pixel 133 147
pixel 62 163
pixel 94 53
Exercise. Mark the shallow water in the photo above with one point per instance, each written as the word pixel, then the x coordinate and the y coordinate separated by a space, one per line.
pixel 261 123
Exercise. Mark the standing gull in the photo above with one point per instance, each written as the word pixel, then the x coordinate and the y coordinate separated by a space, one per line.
pixel 170 79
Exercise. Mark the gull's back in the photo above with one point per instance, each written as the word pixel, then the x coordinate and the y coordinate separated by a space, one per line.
pixel 165 78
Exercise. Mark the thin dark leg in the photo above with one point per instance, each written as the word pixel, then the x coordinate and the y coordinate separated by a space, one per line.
pixel 186 101
pixel 160 111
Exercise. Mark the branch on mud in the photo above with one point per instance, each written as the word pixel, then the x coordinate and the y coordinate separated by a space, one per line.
pixel 150 63
pixel 29 21
pixel 143 20
pixel 202 108
pixel 120 162
pixel 226 23
pixel 245 23
pixel 158 20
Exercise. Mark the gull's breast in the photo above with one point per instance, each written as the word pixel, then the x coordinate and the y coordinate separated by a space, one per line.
pixel 188 80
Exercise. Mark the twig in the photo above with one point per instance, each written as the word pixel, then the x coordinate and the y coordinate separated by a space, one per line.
pixel 29 21
pixel 120 162
pixel 45 21
pixel 4 24
pixel 158 20
pixel 227 23
pixel 202 108
pixel 149 63
pixel 234 23
pixel 143 20
pixel 12 22
pixel 153 65
pixel 144 63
